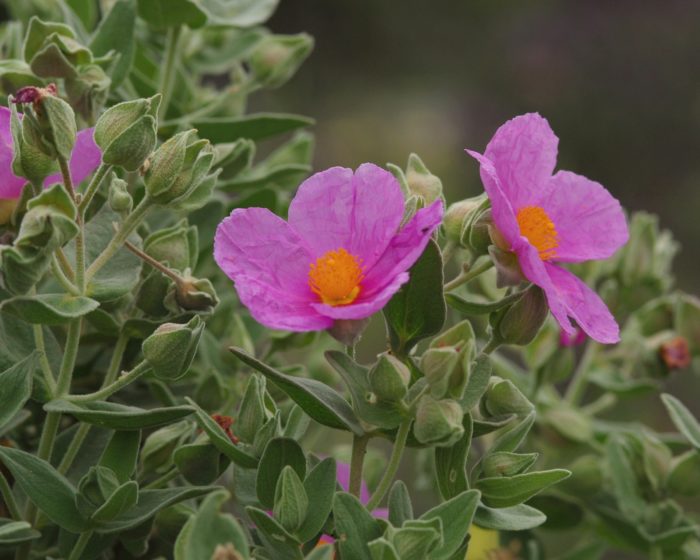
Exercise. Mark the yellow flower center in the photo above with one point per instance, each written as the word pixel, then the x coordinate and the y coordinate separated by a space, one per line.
pixel 539 229
pixel 336 277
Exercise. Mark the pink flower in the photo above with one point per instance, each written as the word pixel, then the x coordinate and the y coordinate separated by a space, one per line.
pixel 576 339
pixel 341 255
pixel 547 219
pixel 84 160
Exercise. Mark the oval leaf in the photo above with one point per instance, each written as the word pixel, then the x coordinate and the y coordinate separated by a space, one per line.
pixel 50 309
pixel 16 387
pixel 254 127
pixel 513 490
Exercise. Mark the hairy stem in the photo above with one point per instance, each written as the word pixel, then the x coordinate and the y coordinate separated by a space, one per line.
pixel 43 359
pixel 9 499
pixel 80 545
pixel 167 78
pixel 468 275
pixel 121 382
pixel 95 183
pixel 393 466
pixel 80 238
pixel 359 448
pixel 59 274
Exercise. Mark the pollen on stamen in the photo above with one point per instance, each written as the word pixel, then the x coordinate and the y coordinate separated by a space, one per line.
pixel 336 276
pixel 539 230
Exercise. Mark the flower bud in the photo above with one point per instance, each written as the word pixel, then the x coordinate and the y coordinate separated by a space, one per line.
pixel 438 365
pixel 126 132
pixel 389 378
pixel 178 167
pixel 521 321
pixel 276 58
pixel 479 232
pixel 171 348
pixel 119 197
pixel 421 181
pixel 252 414
pixel 675 353
pixel 49 222
pixel 94 488
pixel 508 271
pixel 503 398
pixel 49 125
pixel 459 215
pixel 438 422
pixel 191 294
pixel 28 160
pixel 291 502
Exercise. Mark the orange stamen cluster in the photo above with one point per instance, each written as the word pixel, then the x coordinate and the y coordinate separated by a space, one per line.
pixel 335 277
pixel 539 229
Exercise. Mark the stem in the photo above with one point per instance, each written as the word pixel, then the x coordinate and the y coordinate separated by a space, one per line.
pixel 491 345
pixel 359 448
pixel 168 75
pixel 129 225
pixel 392 467
pixel 67 181
pixel 9 498
pixel 579 380
pixel 43 359
pixel 121 382
pixel 80 238
pixel 64 264
pixel 83 430
pixel 62 278
pixel 164 479
pixel 95 183
pixel 448 252
pixel 80 545
pixel 468 275
pixel 153 262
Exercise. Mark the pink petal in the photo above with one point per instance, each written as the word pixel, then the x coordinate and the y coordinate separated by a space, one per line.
pixel 359 212
pixel 343 477
pixel 85 158
pixel 524 153
pixel 269 265
pixel 534 270
pixel 589 221
pixel 584 305
pixel 403 250
pixel 10 184
pixel 364 307
pixel 501 208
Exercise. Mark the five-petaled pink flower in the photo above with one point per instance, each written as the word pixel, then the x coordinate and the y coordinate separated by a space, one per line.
pixel 341 255
pixel 546 219
pixel 84 160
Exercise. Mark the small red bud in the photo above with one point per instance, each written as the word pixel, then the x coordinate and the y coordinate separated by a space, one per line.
pixel 675 353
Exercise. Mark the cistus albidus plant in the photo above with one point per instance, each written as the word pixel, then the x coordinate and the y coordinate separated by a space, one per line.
pixel 180 318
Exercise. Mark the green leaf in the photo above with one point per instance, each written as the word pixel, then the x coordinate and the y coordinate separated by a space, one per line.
pixel 355 527
pixel 279 542
pixel 116 33
pixel 50 491
pixel 513 490
pixel 504 463
pixel 172 13
pixel 278 453
pixel 417 310
pixel 279 176
pixel 209 528
pixel 239 13
pixel 400 506
pixel 456 516
pixel 451 463
pixel 516 518
pixel 478 382
pixel 382 549
pixel 320 488
pixel 16 532
pixel 49 309
pixel 220 440
pixel 121 454
pixel 151 502
pixel 121 500
pixel 16 387
pixel 511 440
pixel 470 307
pixel 118 416
pixel 683 479
pixel 199 463
pixel 317 399
pixel 683 419
pixel 257 126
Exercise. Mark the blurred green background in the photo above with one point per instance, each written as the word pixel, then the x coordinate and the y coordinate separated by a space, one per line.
pixel 619 82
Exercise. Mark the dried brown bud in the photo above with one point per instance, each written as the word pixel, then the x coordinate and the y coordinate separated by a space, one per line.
pixel 225 422
pixel 675 353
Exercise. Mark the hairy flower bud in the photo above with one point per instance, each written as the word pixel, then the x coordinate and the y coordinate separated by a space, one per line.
pixel 171 348
pixel 421 181
pixel 459 215
pixel 126 132
pixel 291 502
pixel 277 57
pixel 438 422
pixel 520 322
pixel 438 365
pixel 119 197
pixel 389 378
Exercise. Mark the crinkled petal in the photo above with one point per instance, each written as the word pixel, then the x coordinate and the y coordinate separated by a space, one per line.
pixel 589 221
pixel 85 158
pixel 403 250
pixel 524 153
pixel 358 212
pixel 343 477
pixel 269 265
pixel 584 305
pixel 364 307
pixel 10 184
pixel 501 208
pixel 534 270
pixel 271 307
